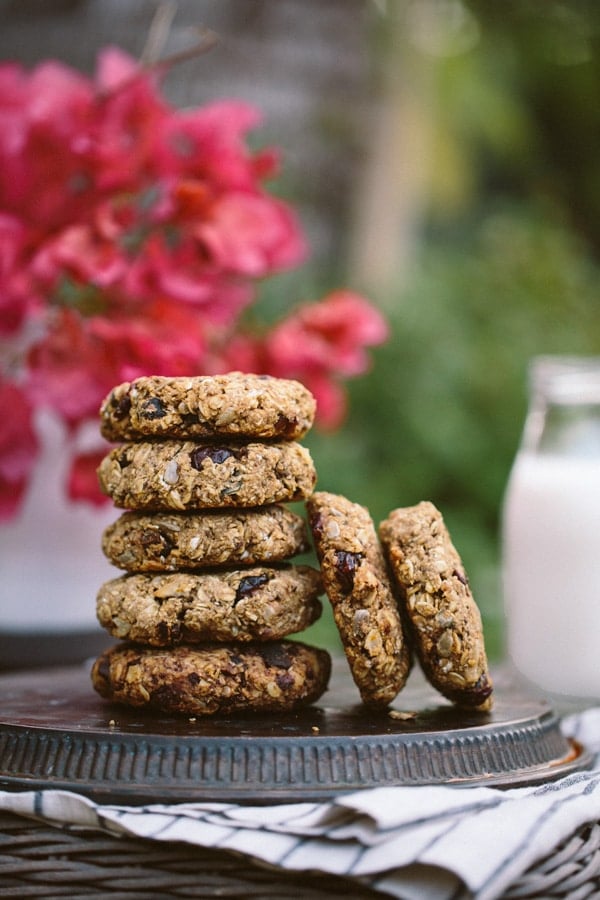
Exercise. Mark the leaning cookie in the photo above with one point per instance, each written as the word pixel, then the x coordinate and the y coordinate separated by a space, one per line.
pixel 188 475
pixel 260 603
pixel 364 609
pixel 234 405
pixel 445 623
pixel 272 677
pixel 166 542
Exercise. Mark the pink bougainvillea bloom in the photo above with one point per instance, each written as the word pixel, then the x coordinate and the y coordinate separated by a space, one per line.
pixel 80 359
pixel 45 142
pixel 67 369
pixel 116 69
pixel 330 335
pixel 331 397
pixel 17 295
pixel 241 352
pixel 82 481
pixel 18 447
pixel 130 116
pixel 181 274
pixel 209 144
pixel 163 338
pixel 251 235
pixel 79 253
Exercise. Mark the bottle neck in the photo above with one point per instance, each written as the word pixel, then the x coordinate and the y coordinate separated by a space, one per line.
pixel 564 408
pixel 563 429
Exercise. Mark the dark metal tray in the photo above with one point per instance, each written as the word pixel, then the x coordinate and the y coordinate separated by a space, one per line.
pixel 55 732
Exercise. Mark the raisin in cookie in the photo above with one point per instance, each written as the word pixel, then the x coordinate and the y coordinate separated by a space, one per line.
pixel 188 475
pixel 364 609
pixel 166 542
pixel 212 679
pixel 260 603
pixel 235 405
pixel 444 621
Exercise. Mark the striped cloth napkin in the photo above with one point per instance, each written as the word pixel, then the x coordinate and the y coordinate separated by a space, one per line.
pixel 414 843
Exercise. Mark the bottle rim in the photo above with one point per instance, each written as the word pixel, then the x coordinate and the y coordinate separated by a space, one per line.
pixel 565 379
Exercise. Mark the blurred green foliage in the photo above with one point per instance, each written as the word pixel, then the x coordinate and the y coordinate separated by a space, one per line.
pixel 507 268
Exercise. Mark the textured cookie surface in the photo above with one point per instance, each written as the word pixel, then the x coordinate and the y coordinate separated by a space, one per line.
pixel 163 542
pixel 233 405
pixel 188 475
pixel 260 603
pixel 445 622
pixel 277 676
pixel 364 608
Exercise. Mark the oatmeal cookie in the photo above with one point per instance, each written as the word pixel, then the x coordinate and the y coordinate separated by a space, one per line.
pixel 364 609
pixel 261 603
pixel 444 621
pixel 212 679
pixel 166 542
pixel 188 475
pixel 235 405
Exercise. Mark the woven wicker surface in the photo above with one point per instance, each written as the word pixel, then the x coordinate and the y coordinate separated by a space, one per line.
pixel 571 870
pixel 37 860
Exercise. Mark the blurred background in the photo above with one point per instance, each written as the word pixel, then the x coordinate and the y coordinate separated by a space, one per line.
pixel 444 157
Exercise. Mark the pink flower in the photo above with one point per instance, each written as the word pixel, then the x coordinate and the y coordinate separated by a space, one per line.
pixel 17 295
pixel 181 274
pixel 130 117
pixel 67 369
pixel 208 144
pixel 328 336
pixel 162 338
pixel 82 482
pixel 79 253
pixel 44 144
pixel 18 447
pixel 331 397
pixel 80 359
pixel 251 235
pixel 322 342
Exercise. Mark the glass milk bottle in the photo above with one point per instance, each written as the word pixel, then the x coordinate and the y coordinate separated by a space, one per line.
pixel 551 539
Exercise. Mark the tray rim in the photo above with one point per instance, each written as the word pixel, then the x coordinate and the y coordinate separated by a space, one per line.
pixel 318 766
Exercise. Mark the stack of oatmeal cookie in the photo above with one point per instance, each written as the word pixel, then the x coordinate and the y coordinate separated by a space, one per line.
pixel 204 467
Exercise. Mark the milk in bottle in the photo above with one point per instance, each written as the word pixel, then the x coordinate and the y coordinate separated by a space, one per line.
pixel 551 531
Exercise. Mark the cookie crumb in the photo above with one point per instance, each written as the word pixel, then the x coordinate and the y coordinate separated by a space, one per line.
pixel 402 715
